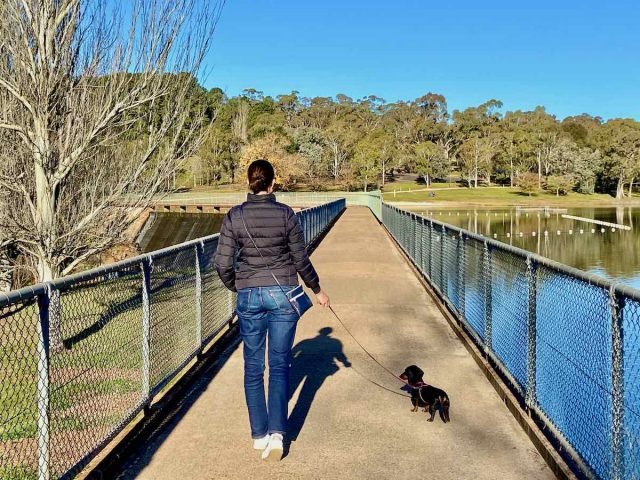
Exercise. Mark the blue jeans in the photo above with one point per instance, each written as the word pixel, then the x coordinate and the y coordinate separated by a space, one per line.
pixel 265 312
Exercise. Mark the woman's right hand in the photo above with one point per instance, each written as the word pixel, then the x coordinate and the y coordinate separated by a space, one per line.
pixel 323 299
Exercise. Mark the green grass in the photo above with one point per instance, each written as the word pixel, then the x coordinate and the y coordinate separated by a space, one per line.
pixel 18 473
pixel 104 358
pixel 404 185
pixel 497 196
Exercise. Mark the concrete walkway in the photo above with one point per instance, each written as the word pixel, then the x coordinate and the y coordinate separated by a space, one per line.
pixel 345 427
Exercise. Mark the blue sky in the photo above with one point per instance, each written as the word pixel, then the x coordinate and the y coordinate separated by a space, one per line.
pixel 570 56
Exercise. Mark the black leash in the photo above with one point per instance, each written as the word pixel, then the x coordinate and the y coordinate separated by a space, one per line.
pixel 372 358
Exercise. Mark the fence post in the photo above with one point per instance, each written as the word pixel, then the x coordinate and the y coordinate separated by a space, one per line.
pixel 431 252
pixel 487 296
pixel 146 327
pixel 417 231
pixel 419 246
pixel 617 383
pixel 43 385
pixel 199 249
pixel 412 234
pixel 461 263
pixel 530 396
pixel 443 286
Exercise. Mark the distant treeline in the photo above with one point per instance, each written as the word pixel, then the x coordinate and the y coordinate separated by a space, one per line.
pixel 357 143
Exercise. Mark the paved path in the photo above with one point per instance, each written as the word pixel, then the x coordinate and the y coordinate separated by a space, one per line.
pixel 344 426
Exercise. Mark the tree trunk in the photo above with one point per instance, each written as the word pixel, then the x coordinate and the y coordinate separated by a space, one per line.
pixel 511 172
pixel 620 189
pixel 631 187
pixel 539 170
pixel 6 274
pixel 46 269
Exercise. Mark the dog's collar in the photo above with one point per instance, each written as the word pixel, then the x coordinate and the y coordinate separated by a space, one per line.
pixel 418 386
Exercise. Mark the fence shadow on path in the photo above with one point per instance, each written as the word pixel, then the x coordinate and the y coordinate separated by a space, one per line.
pixel 313 361
pixel 137 460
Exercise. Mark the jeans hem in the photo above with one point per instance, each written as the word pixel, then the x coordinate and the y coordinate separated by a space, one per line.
pixel 259 437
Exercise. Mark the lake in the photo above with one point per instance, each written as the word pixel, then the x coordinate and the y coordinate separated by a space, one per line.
pixel 610 252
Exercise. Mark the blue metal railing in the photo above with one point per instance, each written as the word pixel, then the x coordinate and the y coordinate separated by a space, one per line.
pixel 567 341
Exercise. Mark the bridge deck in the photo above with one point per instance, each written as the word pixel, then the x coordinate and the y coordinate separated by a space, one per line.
pixel 344 426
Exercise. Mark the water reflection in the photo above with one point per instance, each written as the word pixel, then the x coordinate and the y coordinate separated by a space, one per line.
pixel 610 252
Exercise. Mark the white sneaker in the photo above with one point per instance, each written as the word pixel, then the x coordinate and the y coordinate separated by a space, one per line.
pixel 274 450
pixel 261 443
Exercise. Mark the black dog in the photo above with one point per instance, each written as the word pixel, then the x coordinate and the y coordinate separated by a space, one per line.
pixel 426 396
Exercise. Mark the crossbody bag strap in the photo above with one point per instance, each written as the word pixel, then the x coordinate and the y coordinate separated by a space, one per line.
pixel 266 264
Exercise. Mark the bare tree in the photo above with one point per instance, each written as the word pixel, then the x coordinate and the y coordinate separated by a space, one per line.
pixel 96 111
pixel 240 122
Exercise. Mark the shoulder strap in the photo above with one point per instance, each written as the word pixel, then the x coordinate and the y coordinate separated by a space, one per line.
pixel 256 247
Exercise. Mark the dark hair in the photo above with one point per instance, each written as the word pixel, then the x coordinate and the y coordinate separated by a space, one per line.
pixel 261 176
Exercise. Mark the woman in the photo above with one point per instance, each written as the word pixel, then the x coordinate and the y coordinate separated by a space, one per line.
pixel 263 308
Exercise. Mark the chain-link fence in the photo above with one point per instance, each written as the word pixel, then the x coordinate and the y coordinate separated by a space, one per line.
pixel 80 357
pixel 567 341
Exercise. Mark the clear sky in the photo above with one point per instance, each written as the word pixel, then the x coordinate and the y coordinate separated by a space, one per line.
pixel 572 56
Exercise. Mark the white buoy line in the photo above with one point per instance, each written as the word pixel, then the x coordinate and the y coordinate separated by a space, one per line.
pixel 612 226
pixel 597 222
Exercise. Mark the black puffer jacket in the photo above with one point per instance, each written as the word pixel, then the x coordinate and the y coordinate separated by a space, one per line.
pixel 277 233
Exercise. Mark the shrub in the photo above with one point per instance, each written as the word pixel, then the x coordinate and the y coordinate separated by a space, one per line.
pixel 528 183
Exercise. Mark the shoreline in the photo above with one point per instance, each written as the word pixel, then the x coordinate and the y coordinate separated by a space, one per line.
pixel 498 204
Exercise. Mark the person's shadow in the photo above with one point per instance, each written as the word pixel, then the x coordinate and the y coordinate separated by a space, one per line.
pixel 313 361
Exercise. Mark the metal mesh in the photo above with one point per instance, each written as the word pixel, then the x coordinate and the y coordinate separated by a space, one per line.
pixel 573 364
pixel 569 342
pixel 450 267
pixel 173 316
pixel 631 401
pixel 474 286
pixel 436 257
pixel 80 357
pixel 95 363
pixel 18 389
pixel 215 296
pixel 509 312
pixel 426 247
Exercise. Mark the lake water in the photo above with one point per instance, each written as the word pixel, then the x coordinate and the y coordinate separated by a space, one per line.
pixel 610 252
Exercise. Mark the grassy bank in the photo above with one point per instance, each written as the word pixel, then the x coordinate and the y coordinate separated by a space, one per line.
pixel 455 195
pixel 497 196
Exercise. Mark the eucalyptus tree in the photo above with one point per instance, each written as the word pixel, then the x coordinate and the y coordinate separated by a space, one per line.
pixel 341 138
pixel 477 133
pixel 371 154
pixel 431 161
pixel 619 141
pixel 310 144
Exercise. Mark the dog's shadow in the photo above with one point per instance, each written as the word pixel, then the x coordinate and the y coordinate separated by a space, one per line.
pixel 313 361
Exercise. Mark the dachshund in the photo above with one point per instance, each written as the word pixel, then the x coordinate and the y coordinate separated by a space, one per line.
pixel 426 396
